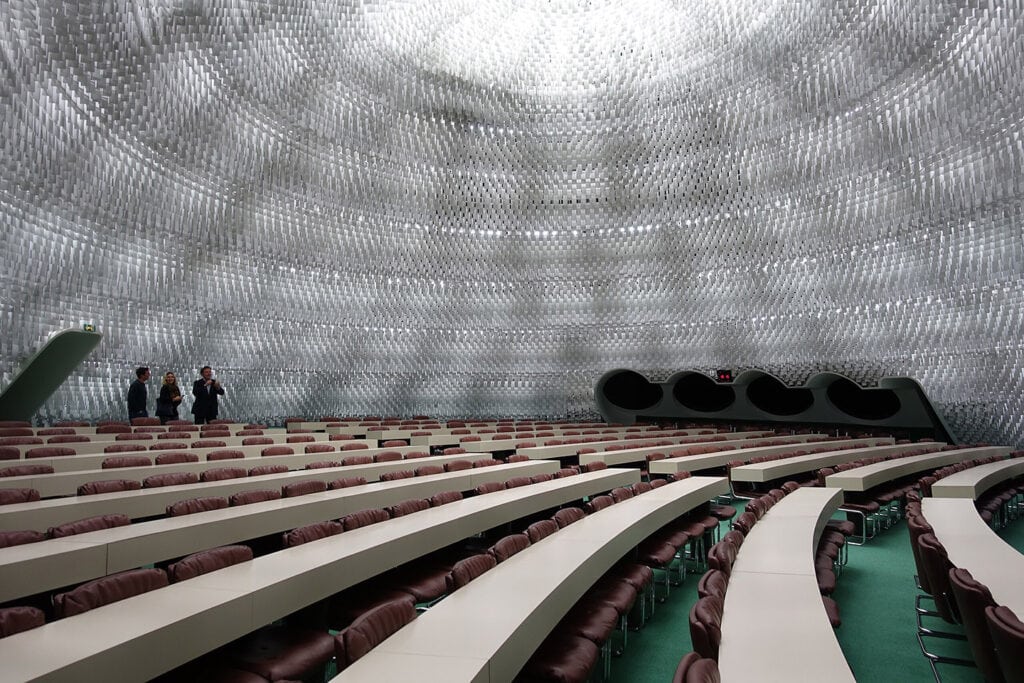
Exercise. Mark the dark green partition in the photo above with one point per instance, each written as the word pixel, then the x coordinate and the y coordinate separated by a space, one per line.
pixel 44 372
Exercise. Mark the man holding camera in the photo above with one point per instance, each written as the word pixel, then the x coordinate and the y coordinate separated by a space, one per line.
pixel 206 390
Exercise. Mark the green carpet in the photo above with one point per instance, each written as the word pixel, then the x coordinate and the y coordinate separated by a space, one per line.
pixel 878 636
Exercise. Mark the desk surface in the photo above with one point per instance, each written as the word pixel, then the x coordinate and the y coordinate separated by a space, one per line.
pixel 695 463
pixel 973 482
pixel 738 439
pixel 869 476
pixel 51 564
pixel 774 627
pixel 974 546
pixel 777 469
pixel 41 515
pixel 648 442
pixel 486 632
pixel 204 613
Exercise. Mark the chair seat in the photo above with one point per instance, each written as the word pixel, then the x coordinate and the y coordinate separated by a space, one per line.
pixel 656 554
pixel 282 652
pixel 639 576
pixel 595 621
pixel 723 512
pixel 845 527
pixel 354 602
pixel 618 594
pixel 423 583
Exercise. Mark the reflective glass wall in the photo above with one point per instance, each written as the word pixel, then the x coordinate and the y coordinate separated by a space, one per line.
pixel 477 208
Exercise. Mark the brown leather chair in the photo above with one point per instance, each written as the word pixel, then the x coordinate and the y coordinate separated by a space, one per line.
pixel 620 494
pixel 211 443
pixel 70 438
pixel 303 488
pixel 489 487
pixel 250 497
pixel 538 478
pixel 107 590
pixel 25 470
pixel 706 626
pixel 542 529
pixel 453 450
pixel 488 462
pixel 518 458
pixel 358 446
pixel 371 629
pixel 722 556
pixel 113 429
pixel 361 518
pixel 468 569
pixel 458 465
pixel 21 441
pixel 257 441
pixel 567 516
pixel 509 546
pixel 971 599
pixel 714 582
pixel 169 446
pixel 346 482
pixel 516 482
pixel 225 455
pixel 745 522
pixel 322 464
pixel 300 438
pixel 641 487
pixel 223 473
pixel 207 561
pixel 282 653
pixel 311 532
pixel 194 505
pixel 427 470
pixel 125 461
pixel 249 432
pixel 595 621
pixel 562 657
pixel 350 460
pixel 134 436
pixel 1008 637
pixel 387 456
pixel 340 437
pixel 444 498
pixel 175 458
pixel 599 503
pixel 277 450
pixel 49 452
pixel 13 496
pixel 12 538
pixel 267 469
pixel 695 669
pixel 397 474
pixel 408 507
pixel 83 526
pixel 320 448
pixel 565 472
pixel 19 619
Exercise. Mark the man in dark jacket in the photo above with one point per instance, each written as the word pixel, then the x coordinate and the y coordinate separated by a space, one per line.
pixel 137 394
pixel 206 390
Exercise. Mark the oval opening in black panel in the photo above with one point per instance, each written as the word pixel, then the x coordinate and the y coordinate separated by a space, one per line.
pixel 861 403
pixel 772 396
pixel 631 391
pixel 702 394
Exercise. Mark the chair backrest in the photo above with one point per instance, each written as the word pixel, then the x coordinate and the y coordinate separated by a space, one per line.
pixel 169 446
pixel 311 532
pixel 468 569
pixel 971 600
pixel 565 472
pixel 696 669
pixel 721 556
pixel 320 448
pixel 346 482
pixel 257 441
pixel 249 497
pixel 361 518
pixel 176 458
pixel 356 460
pixel 387 456
pixel 427 470
pixel 303 488
pixel 371 629
pixel 734 537
pixel 599 503
pixel 538 478
pixel 541 529
pixel 642 487
pixel 392 443
pixel 407 507
pixel 207 561
pixel 489 487
pixel 397 474
pixel 713 582
pixel 706 626
pixel 300 438
pixel 107 590
pixel 354 447
pixel 82 526
pixel 69 438
pixel 12 496
pixel 11 538
pixel 194 505
pixel 21 441
pixel 454 450
pixel 917 527
pixel 518 458
pixel 213 443
pixel 445 497
pixel 113 429
pixel 19 619
pixel 322 464
pixel 516 482
pixel 125 461
pixel 277 450
pixel 509 546
pixel 222 473
pixel 745 522
pixel 458 465
pixel 225 455
pixel 48 452
pixel 487 462
pixel 658 483
pixel 267 469
pixel 936 566
pixel 567 516
pixel 26 470
pixel 1008 636
pixel 594 466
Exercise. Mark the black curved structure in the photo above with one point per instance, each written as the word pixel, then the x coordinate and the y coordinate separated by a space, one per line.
pixel 897 403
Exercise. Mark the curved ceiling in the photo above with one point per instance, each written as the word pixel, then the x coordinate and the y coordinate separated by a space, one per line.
pixel 479 207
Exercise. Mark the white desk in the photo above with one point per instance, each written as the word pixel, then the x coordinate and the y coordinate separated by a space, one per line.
pixel 741 440
pixel 203 613
pixel 696 463
pixel 761 472
pixel 972 483
pixel 43 514
pixel 869 476
pixel 974 546
pixel 47 565
pixel 487 630
pixel 649 442
pixel 774 626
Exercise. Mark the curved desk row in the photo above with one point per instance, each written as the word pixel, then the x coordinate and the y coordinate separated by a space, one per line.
pixel 973 482
pixel 744 441
pixel 762 472
pixel 869 476
pixel 650 443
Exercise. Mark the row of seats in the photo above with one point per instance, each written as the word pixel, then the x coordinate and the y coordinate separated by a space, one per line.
pixel 994 633
pixel 999 505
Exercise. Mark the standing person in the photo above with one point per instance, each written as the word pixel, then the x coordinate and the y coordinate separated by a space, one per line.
pixel 206 390
pixel 170 397
pixel 137 394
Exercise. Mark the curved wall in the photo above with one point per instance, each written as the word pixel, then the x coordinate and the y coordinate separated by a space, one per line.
pixel 478 208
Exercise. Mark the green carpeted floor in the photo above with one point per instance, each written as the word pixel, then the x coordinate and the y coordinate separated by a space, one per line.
pixel 876 597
